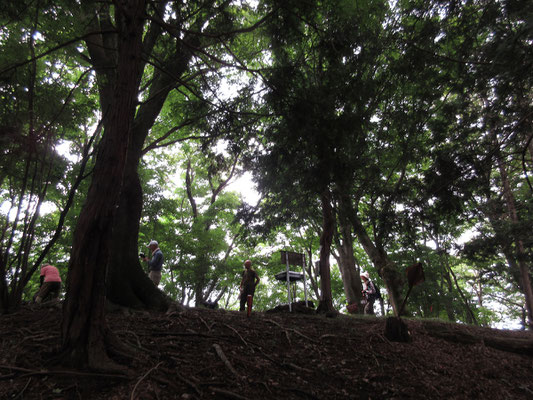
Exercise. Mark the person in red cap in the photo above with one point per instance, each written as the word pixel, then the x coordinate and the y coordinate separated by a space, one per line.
pixel 249 281
pixel 50 283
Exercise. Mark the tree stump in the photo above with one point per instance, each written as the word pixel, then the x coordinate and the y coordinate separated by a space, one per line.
pixel 396 330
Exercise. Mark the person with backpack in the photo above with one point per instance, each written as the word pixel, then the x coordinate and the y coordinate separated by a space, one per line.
pixel 369 293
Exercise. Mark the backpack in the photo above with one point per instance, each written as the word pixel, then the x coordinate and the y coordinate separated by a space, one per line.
pixel 377 295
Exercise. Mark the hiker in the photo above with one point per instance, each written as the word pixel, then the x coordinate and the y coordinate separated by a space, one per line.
pixel 50 283
pixel 155 263
pixel 369 293
pixel 249 281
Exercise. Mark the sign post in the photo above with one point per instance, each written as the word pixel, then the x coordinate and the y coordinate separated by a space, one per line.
pixel 305 284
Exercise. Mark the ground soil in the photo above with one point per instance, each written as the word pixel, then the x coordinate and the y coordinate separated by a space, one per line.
pixel 199 353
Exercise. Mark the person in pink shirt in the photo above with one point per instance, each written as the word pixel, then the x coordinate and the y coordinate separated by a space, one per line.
pixel 50 283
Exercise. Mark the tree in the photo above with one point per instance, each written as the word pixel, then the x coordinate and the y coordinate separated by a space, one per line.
pixel 209 26
pixel 198 53
pixel 41 105
pixel 506 99
pixel 203 218
pixel 339 136
pixel 105 243
pixel 301 158
pixel 85 334
pixel 490 135
pixel 348 265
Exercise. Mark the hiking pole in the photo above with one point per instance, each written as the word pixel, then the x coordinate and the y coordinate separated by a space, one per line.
pixel 249 301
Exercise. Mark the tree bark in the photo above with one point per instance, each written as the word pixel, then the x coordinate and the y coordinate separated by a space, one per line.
pixel 127 283
pixel 85 334
pixel 328 225
pixel 311 272
pixel 351 279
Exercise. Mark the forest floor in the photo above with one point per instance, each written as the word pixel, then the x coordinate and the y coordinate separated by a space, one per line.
pixel 198 353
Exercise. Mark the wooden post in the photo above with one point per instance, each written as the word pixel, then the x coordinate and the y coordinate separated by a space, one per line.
pixel 305 285
pixel 288 281
pixel 249 300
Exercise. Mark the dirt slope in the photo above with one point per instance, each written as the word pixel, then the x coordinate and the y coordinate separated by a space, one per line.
pixel 217 354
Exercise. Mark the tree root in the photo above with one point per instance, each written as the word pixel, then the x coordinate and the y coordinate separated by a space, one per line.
pixel 225 360
pixel 238 334
pixel 141 379
pixel 117 348
pixel 31 372
pixel 286 330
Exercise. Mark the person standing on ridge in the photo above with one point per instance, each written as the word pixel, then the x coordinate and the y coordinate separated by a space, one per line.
pixel 249 281
pixel 155 264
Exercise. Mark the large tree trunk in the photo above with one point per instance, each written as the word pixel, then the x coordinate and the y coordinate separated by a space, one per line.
pixel 200 274
pixel 85 334
pixel 350 273
pixel 448 300
pixel 311 273
pixel 446 280
pixel 127 283
pixel 328 226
